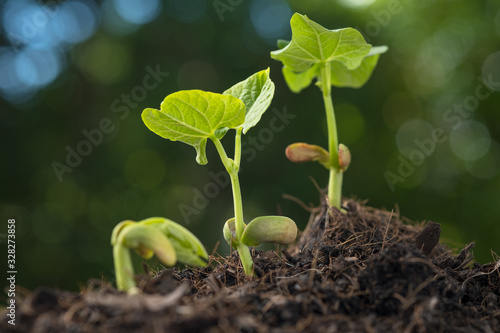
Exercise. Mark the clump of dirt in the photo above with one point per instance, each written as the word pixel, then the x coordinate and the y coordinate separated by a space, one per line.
pixel 365 270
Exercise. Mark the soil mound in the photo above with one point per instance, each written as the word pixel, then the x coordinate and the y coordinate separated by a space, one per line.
pixel 367 270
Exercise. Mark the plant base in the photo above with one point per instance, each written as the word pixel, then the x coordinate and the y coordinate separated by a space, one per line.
pixel 355 272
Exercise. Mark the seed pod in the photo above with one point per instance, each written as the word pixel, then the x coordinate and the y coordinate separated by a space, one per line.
pixel 147 240
pixel 302 152
pixel 344 157
pixel 269 229
pixel 230 232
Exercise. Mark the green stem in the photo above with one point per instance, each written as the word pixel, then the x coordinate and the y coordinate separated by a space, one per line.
pixel 124 269
pixel 237 147
pixel 232 167
pixel 335 181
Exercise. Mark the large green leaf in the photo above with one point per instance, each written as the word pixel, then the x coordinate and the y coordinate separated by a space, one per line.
pixel 256 92
pixel 312 43
pixel 343 77
pixel 193 116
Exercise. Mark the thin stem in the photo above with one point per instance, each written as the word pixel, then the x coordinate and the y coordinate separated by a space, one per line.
pixel 237 147
pixel 335 181
pixel 232 167
pixel 124 269
pixel 238 206
pixel 228 163
pixel 246 259
pixel 335 187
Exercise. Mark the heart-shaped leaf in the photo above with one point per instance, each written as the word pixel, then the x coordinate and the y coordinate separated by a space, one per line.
pixel 256 92
pixel 188 248
pixel 193 116
pixel 269 229
pixel 302 152
pixel 352 60
pixel 146 240
pixel 312 44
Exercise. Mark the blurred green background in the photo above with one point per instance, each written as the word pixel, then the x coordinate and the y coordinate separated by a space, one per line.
pixel 75 76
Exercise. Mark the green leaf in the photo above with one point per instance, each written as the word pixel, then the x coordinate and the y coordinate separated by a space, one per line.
pixel 282 43
pixel 351 59
pixel 118 229
pixel 146 240
pixel 256 92
pixel 229 232
pixel 188 248
pixel 343 77
pixel 193 116
pixel 299 81
pixel 302 152
pixel 312 44
pixel 269 229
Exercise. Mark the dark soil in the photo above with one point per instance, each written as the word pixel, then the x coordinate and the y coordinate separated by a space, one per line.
pixel 363 271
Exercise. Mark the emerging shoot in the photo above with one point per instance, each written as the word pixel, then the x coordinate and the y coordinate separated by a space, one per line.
pixel 194 116
pixel 341 58
pixel 169 241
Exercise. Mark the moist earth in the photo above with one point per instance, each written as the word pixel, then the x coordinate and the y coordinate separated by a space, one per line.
pixel 362 270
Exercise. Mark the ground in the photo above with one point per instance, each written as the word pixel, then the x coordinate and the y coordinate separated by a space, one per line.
pixel 365 270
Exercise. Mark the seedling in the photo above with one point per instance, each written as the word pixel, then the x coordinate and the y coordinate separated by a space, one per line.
pixel 193 117
pixel 169 241
pixel 341 58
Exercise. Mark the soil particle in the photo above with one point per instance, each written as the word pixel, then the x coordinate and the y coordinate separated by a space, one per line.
pixel 365 270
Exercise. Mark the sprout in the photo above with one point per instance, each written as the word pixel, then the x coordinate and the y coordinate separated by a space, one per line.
pixel 169 241
pixel 341 58
pixel 195 116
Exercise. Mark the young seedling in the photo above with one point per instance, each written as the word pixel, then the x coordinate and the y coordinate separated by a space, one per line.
pixel 169 241
pixel 194 116
pixel 341 58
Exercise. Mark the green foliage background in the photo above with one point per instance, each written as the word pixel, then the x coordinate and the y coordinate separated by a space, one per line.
pixel 437 52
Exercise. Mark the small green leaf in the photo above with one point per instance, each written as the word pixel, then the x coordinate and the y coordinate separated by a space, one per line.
pixel 351 59
pixel 118 229
pixel 302 152
pixel 229 232
pixel 193 116
pixel 256 92
pixel 299 81
pixel 282 43
pixel 146 240
pixel 269 229
pixel 312 44
pixel 344 157
pixel 188 248
pixel 343 77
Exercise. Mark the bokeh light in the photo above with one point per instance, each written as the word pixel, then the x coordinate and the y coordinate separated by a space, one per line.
pixel 36 68
pixel 38 34
pixel 491 70
pixel 411 131
pixel 270 19
pixel 137 12
pixel 470 140
pixel 356 3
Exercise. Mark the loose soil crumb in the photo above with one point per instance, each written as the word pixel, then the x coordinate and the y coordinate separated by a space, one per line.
pixel 367 270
